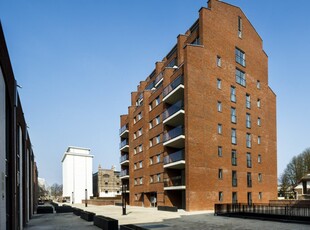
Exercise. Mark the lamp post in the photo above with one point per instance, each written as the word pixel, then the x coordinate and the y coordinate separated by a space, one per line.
pixel 124 198
pixel 86 197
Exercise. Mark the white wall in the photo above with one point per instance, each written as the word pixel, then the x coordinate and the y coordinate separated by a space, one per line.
pixel 2 154
pixel 77 176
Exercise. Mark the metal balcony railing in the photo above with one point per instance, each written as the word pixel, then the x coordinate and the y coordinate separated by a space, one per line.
pixel 173 109
pixel 179 130
pixel 178 81
pixel 124 173
pixel 174 157
pixel 124 158
pixel 158 78
pixel 123 143
pixel 123 128
pixel 174 181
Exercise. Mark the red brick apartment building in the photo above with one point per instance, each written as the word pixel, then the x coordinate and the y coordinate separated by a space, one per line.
pixel 18 169
pixel 201 129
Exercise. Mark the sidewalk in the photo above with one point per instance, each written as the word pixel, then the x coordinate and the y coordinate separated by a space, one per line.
pixel 151 218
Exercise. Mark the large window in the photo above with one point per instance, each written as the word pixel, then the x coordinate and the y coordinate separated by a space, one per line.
pixel 248 101
pixel 248 140
pixel 248 120
pixel 234 157
pixel 240 57
pixel 240 77
pixel 233 136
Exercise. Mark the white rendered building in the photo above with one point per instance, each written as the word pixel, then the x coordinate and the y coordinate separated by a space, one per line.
pixel 77 167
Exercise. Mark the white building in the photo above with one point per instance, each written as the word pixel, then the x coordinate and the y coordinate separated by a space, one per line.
pixel 77 167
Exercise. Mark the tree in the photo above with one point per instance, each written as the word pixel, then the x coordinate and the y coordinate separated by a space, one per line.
pixel 43 192
pixel 295 170
pixel 56 190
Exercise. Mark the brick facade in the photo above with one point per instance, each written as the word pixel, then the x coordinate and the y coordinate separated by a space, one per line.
pixel 190 91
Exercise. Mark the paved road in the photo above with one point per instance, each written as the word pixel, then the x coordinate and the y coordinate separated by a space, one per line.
pixel 153 219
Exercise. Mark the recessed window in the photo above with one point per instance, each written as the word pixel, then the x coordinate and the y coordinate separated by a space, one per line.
pixel 150 106
pixel 260 177
pixel 234 157
pixel 258 121
pixel 248 101
pixel 219 83
pixel 248 120
pixel 219 151
pixel 260 195
pixel 233 115
pixel 157 139
pixel 219 106
pixel 258 84
pixel 258 103
pixel 234 198
pixel 140 148
pixel 240 77
pixel 134 135
pixel 151 179
pixel 139 132
pixel 158 176
pixel 141 180
pixel 239 27
pixel 234 179
pixel 157 120
pixel 218 61
pixel 150 124
pixel 158 158
pixel 233 94
pixel 248 160
pixel 151 160
pixel 233 136
pixel 220 196
pixel 139 116
pixel 258 140
pixel 219 128
pixel 240 57
pixel 157 101
pixel 248 140
pixel 135 181
pixel 135 165
pixel 249 180
pixel 220 174
pixel 140 164
pixel 259 159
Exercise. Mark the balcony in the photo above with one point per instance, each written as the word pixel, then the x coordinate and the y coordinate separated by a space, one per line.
pixel 174 183
pixel 175 160
pixel 124 174
pixel 174 115
pixel 123 131
pixel 124 160
pixel 124 146
pixel 175 91
pixel 174 138
pixel 158 79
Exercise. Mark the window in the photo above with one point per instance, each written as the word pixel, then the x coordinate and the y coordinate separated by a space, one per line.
pixel 233 94
pixel 140 148
pixel 140 164
pixel 234 179
pixel 139 116
pixel 151 160
pixel 258 84
pixel 249 198
pixel 150 124
pixel 157 101
pixel 260 177
pixel 157 120
pixel 136 197
pixel 220 174
pixel 196 41
pixel 258 121
pixel 219 151
pixel 233 115
pixel 248 140
pixel 150 106
pixel 220 196
pixel 158 158
pixel 141 180
pixel 248 160
pixel 248 120
pixel 134 151
pixel 240 57
pixel 234 157
pixel 219 128
pixel 157 139
pixel 260 195
pixel 134 135
pixel 218 61
pixel 258 140
pixel 248 101
pixel 258 103
pixel 134 120
pixel 240 77
pixel 151 179
pixel 233 136
pixel 151 142
pixel 239 27
pixel 259 159
pixel 219 106
pixel 249 180
pixel 140 132
pixel 234 198
pixel 219 84
pixel 135 165
pixel 158 177
pixel 136 181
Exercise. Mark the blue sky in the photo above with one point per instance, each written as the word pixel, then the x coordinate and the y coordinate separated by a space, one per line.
pixel 79 60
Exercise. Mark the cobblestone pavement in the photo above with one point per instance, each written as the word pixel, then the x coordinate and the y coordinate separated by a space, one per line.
pixel 151 218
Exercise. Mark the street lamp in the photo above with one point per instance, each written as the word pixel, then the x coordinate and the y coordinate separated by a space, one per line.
pixel 124 186
pixel 86 197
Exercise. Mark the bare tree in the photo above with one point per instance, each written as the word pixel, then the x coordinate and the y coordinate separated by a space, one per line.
pixel 56 190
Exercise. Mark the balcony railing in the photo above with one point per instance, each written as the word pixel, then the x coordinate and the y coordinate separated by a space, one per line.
pixel 174 181
pixel 150 86
pixel 124 173
pixel 179 130
pixel 158 78
pixel 124 158
pixel 123 143
pixel 178 81
pixel 123 128
pixel 173 109
pixel 174 157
